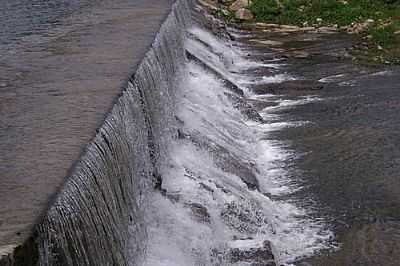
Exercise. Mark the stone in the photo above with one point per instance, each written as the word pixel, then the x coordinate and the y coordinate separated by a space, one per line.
pixel 327 29
pixel 357 28
pixel 238 4
pixel 200 213
pixel 260 256
pixel 209 4
pixel 245 108
pixel 230 163
pixel 244 14
pixel 206 187
pixel 244 217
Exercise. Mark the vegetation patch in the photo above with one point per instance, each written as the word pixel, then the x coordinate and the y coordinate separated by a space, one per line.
pixel 376 21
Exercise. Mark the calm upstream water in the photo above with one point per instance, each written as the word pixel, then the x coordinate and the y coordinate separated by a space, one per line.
pixel 62 65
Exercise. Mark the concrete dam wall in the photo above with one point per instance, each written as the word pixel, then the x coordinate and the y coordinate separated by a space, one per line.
pixel 92 215
pixel 183 170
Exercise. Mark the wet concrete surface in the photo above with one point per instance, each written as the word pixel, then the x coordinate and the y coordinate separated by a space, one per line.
pixel 57 83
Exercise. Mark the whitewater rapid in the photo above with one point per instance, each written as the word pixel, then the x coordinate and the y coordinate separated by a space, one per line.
pixel 206 206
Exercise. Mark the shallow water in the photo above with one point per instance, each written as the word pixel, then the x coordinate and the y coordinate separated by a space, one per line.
pixel 347 154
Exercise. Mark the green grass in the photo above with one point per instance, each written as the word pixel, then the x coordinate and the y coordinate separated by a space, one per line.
pixel 330 11
pixel 382 33
pixel 386 35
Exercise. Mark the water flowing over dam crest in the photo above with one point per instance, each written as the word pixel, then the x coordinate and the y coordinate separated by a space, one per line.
pixel 182 171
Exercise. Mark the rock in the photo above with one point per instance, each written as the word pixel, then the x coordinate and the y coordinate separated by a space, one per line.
pixel 231 163
pixel 200 213
pixel 290 27
pixel 356 28
pixel 209 4
pixel 257 256
pixel 208 188
pixel 230 85
pixel 327 29
pixel 308 28
pixel 245 217
pixel 266 25
pixel 224 12
pixel 244 14
pixel 238 4
pixel 245 108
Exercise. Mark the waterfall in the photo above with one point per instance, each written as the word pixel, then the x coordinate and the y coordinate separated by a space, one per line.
pixel 222 170
pixel 97 217
pixel 181 171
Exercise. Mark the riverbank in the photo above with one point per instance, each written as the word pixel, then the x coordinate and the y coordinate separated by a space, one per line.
pixel 346 149
pixel 375 25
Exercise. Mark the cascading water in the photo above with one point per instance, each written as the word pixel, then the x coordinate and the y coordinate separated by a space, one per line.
pixel 97 219
pixel 213 208
pixel 182 127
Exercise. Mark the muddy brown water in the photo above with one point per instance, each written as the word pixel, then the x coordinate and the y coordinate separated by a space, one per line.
pixel 62 64
pixel 348 154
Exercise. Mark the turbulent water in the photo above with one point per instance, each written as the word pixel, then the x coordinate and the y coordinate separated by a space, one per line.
pixel 223 169
pixel 184 170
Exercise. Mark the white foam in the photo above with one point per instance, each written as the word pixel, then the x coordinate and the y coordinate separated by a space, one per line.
pixel 7 250
pixel 212 128
pixel 275 79
pixel 383 73
pixel 176 238
pixel 285 104
pixel 223 56
pixel 334 78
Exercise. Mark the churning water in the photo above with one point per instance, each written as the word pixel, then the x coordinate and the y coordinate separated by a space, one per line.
pixel 181 126
pixel 223 169
pixel 182 171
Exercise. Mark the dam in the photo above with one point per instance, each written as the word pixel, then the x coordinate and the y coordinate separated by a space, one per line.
pixel 150 158
pixel 58 84
pixel 154 133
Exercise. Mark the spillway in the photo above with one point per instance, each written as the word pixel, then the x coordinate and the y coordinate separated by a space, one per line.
pixel 181 172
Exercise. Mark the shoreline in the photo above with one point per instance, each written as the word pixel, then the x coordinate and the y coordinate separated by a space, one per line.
pixel 374 41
